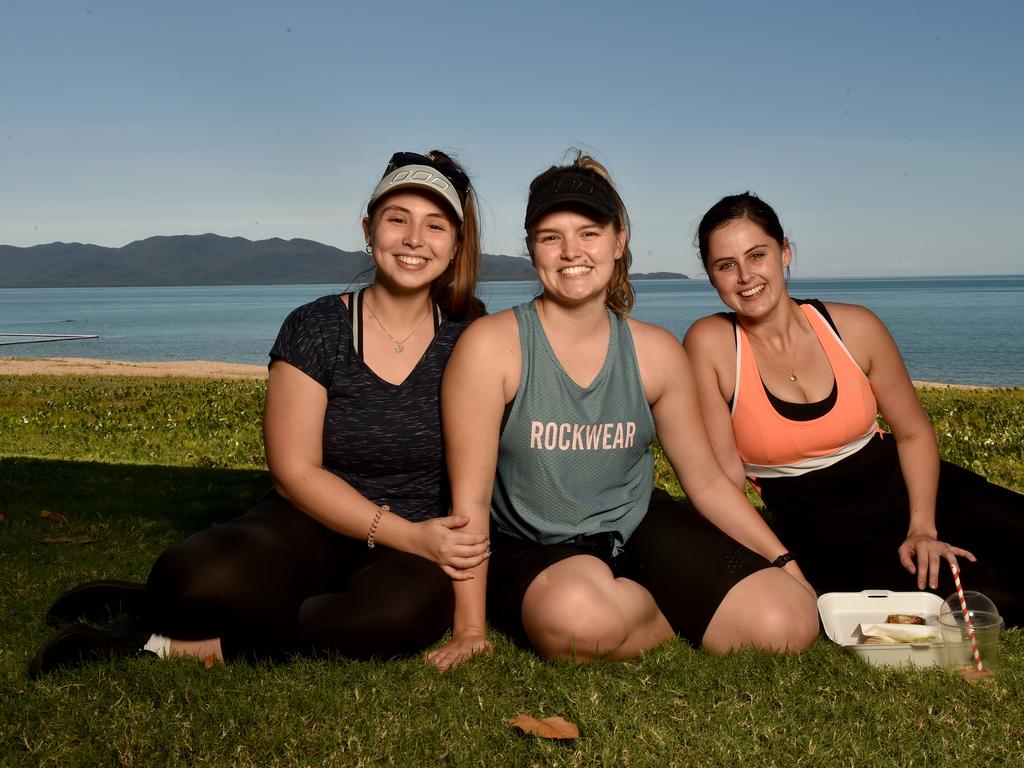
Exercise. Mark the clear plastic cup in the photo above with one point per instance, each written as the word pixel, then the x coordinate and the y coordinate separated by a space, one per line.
pixel 958 651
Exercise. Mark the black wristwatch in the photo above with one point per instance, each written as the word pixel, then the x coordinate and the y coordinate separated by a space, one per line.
pixel 782 559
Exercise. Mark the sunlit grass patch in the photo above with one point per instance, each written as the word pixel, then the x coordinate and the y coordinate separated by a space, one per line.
pixel 172 457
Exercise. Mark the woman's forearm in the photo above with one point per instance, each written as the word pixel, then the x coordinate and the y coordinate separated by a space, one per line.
pixel 734 515
pixel 471 604
pixel 725 506
pixel 919 463
pixel 333 502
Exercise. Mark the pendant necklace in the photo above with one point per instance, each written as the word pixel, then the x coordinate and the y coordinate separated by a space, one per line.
pixel 792 371
pixel 399 343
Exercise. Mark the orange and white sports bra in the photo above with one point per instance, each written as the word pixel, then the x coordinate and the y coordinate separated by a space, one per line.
pixel 771 445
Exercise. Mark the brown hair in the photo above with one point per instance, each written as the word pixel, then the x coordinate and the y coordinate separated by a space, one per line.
pixel 620 296
pixel 454 291
pixel 733 207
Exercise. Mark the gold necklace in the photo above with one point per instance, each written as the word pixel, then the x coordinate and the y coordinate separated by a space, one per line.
pixel 399 344
pixel 792 372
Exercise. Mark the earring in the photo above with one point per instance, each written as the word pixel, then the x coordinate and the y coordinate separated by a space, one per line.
pixel 369 249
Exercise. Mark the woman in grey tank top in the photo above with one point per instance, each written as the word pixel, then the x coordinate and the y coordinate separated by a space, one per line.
pixel 549 411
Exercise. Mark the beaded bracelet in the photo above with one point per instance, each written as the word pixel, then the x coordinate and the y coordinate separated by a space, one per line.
pixel 373 526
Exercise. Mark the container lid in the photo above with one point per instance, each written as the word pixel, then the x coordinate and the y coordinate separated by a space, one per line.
pixel 843 612
pixel 976 603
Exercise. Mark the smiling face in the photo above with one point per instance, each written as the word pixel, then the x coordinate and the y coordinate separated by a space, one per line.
pixel 747 267
pixel 413 238
pixel 574 255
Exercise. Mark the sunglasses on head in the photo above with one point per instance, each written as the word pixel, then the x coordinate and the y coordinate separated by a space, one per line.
pixel 453 174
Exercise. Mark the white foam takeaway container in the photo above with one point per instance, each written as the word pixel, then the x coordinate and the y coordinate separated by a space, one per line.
pixel 842 612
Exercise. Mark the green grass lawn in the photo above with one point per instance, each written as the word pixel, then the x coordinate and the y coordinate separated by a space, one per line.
pixel 137 464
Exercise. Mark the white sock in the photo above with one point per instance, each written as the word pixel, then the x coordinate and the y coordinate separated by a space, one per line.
pixel 159 645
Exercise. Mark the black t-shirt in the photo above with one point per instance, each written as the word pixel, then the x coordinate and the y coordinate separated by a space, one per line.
pixel 383 439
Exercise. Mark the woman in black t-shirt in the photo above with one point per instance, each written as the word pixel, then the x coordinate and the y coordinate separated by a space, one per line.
pixel 352 553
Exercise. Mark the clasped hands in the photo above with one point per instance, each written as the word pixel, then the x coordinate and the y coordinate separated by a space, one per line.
pixel 443 541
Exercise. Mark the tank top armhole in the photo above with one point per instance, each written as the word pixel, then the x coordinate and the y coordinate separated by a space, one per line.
pixel 521 314
pixel 624 339
pixel 819 305
pixel 731 316
pixel 819 309
pixel 505 414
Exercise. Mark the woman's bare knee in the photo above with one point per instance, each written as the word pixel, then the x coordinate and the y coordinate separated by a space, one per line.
pixel 785 627
pixel 768 610
pixel 572 621
pixel 573 610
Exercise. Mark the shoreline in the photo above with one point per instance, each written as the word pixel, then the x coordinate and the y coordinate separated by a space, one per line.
pixel 85 366
pixel 201 369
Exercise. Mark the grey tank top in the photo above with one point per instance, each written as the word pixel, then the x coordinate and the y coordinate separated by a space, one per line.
pixel 574 460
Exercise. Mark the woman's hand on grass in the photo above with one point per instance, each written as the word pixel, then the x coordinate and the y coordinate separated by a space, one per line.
pixel 460 648
pixel 923 555
pixel 456 551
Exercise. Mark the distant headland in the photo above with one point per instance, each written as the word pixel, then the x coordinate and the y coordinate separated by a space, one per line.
pixel 215 260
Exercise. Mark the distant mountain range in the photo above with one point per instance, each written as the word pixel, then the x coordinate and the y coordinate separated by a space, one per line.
pixel 212 260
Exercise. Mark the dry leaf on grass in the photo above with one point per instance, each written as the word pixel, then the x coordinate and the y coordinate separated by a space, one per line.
pixel 55 516
pixel 209 661
pixel 83 539
pixel 549 728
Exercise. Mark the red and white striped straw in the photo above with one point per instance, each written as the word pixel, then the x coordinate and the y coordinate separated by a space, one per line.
pixel 967 615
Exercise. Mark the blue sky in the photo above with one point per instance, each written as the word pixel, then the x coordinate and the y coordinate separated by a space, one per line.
pixel 887 135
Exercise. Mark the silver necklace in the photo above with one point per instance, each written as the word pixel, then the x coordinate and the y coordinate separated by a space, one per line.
pixel 399 344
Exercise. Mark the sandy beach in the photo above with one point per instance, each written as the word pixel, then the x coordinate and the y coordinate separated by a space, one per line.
pixel 189 369
pixel 83 366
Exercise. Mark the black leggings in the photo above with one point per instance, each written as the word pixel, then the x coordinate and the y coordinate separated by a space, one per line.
pixel 275 582
pixel 852 546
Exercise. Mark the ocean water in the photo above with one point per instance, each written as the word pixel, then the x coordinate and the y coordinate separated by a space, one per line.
pixel 963 330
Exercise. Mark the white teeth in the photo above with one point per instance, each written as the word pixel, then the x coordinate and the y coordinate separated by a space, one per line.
pixel 574 271
pixel 412 261
pixel 752 291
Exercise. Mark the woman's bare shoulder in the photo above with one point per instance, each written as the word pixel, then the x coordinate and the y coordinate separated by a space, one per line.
pixel 839 310
pixel 489 346
pixel 853 320
pixel 659 354
pixel 649 332
pixel 710 337
pixel 709 328
pixel 491 328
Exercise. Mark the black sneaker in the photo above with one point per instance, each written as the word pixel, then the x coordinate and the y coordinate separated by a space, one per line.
pixel 96 602
pixel 78 644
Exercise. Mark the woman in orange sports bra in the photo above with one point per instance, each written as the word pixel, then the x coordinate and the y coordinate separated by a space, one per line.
pixel 790 392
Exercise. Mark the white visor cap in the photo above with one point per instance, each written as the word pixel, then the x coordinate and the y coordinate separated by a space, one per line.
pixel 422 176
